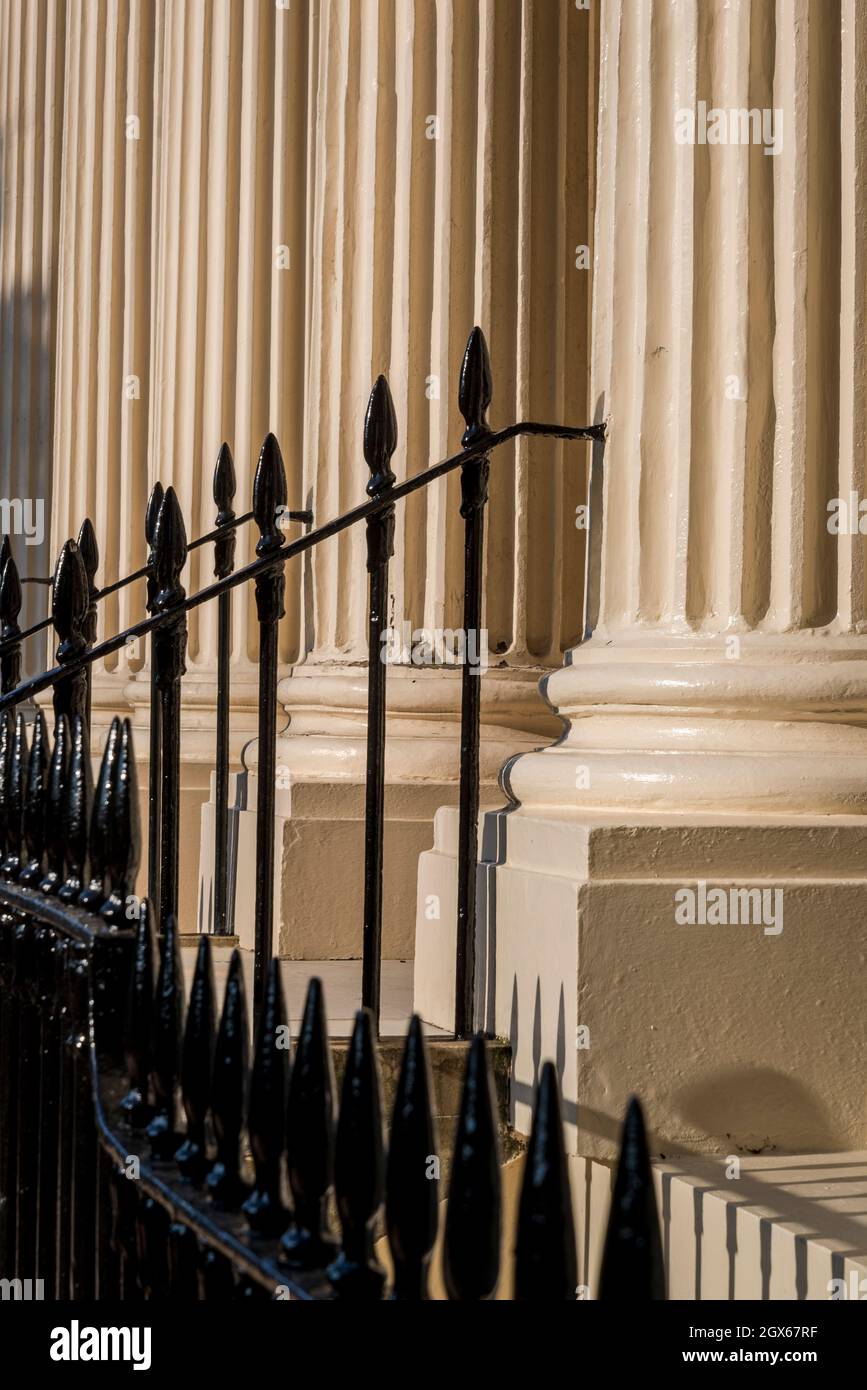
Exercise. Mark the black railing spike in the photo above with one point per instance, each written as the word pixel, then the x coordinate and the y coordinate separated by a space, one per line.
pixel 412 1172
pixel 69 600
pixel 545 1260
pixel 269 496
pixel 380 437
pixel 79 803
pixel 123 841
pixel 56 807
pixel 266 1110
pixel 170 551
pixel 5 551
pixel 358 1168
pixel 167 1033
pixel 101 829
pixel 69 605
pixel 308 1243
pixel 632 1268
pixel 16 783
pixel 33 811
pixel 227 1090
pixel 471 1249
pixel 10 607
pixel 89 550
pixel 140 1018
pixel 475 387
pixel 197 1061
pixel 225 485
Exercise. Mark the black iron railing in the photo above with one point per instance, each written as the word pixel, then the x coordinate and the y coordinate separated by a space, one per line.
pixel 74 618
pixel 106 1192
pixel 104 1189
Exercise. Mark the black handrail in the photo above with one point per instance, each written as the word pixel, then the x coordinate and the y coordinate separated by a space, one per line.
pixel 216 536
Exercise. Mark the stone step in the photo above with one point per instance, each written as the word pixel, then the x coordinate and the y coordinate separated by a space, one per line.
pixel 448 1060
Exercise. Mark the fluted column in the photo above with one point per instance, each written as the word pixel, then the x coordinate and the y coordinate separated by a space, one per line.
pixel 715 755
pixel 102 367
pixel 32 44
pixel 727 666
pixel 451 152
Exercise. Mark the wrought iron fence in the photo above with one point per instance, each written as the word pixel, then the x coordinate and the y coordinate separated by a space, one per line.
pixel 104 1192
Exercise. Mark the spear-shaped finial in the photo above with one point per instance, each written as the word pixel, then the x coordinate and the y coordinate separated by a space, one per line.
pixel 474 392
pixel 380 437
pixel 169 551
pixel 270 496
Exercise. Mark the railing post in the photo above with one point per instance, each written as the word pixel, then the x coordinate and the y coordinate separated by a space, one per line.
pixel 69 601
pixel 153 509
pixel 269 495
pixel 169 648
pixel 78 802
pixel 89 551
pixel 380 442
pixel 224 563
pixel 474 398
pixel 10 607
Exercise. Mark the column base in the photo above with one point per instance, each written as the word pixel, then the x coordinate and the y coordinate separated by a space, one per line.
pixel 319 874
pixel 739 1038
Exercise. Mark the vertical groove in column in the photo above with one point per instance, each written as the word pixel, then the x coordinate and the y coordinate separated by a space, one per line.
pixel 628 40
pixel 453 237
pixel 791 196
pixel 720 308
pixel 413 305
pixel 851 586
pixel 761 329
pixel 545 146
pixel 367 209
pixel 666 349
pixel 577 65
pixel 255 258
pixel 322 432
pixel 819 593
pixel 287 357
pixel 135 104
pixel 496 253
pixel 103 481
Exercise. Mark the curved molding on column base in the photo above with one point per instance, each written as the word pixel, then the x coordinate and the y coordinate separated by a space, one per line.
pixel 677 726
pixel 327 709
pixel 199 711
